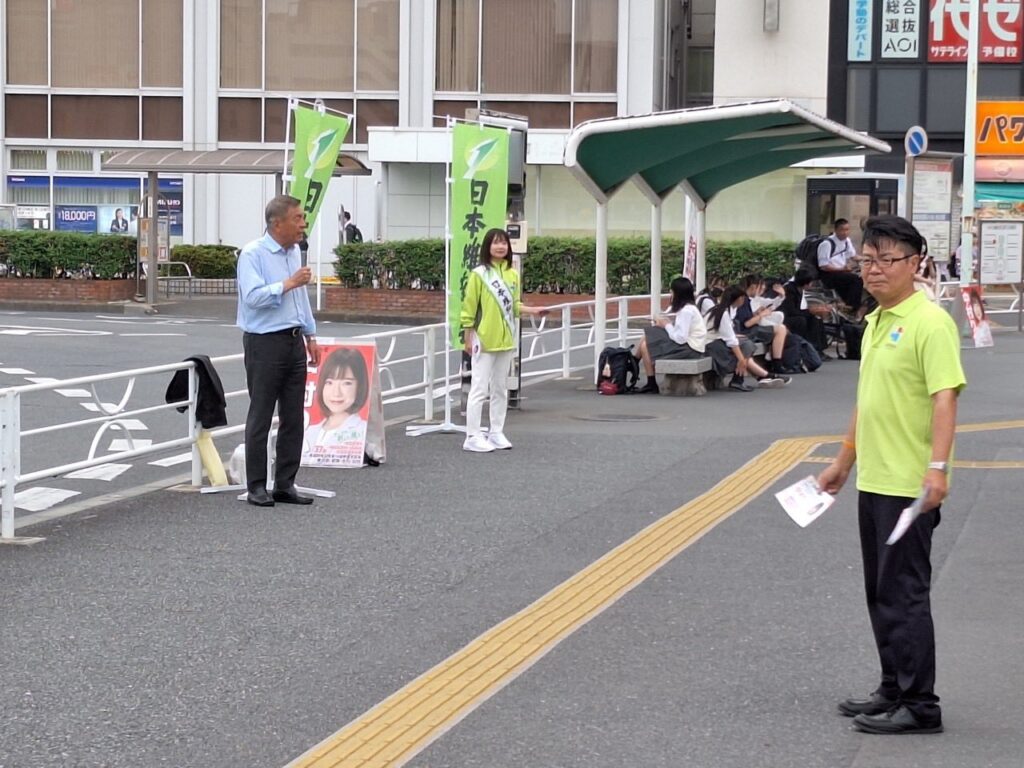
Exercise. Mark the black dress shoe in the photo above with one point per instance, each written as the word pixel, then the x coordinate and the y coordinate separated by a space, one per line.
pixel 895 721
pixel 649 389
pixel 260 498
pixel 290 496
pixel 875 704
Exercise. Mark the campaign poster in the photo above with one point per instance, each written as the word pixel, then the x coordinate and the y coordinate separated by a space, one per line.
pixel 75 218
pixel 343 412
pixel 117 220
pixel 977 318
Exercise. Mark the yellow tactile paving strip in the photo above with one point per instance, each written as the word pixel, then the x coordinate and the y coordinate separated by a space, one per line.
pixel 410 719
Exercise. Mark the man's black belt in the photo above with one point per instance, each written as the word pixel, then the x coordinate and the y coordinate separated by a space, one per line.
pixel 284 332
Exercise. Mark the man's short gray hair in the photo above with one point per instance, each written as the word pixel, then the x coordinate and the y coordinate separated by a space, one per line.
pixel 279 207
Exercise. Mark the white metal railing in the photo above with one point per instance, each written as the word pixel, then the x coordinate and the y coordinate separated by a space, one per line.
pixel 404 375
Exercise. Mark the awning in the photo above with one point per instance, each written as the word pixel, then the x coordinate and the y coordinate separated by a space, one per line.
pixel 178 161
pixel 708 148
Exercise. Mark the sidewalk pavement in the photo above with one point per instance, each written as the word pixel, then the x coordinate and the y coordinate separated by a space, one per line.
pixel 193 630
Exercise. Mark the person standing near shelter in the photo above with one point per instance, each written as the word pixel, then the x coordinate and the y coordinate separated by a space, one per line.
pixel 901 437
pixel 278 333
pixel 836 263
pixel 352 233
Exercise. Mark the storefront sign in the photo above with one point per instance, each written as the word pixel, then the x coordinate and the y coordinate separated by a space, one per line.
pixel 1001 38
pixel 858 44
pixel 1000 128
pixel 933 203
pixel 75 218
pixel 901 29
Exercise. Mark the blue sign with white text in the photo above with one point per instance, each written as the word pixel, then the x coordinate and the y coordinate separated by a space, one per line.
pixel 75 218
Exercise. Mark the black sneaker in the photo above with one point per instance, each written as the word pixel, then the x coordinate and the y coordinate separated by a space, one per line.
pixel 739 385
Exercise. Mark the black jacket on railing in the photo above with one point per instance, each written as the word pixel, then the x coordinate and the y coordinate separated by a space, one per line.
pixel 211 405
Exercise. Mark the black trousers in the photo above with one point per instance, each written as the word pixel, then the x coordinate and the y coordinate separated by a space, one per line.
pixel 275 374
pixel 897 583
pixel 848 285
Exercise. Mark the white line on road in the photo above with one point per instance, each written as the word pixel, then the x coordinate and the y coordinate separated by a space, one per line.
pixel 16 371
pixel 106 472
pixel 40 498
pixel 116 446
pixel 41 379
pixel 170 461
pixel 73 392
pixel 152 334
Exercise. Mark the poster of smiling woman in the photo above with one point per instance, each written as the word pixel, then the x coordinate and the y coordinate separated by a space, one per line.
pixel 344 416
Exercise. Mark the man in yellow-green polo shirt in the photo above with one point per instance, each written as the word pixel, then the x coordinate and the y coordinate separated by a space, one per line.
pixel 901 437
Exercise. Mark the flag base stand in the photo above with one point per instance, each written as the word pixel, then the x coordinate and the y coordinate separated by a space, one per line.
pixel 445 427
pixel 318 492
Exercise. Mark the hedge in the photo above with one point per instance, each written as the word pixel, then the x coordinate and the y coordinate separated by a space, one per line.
pixel 48 254
pixel 207 260
pixel 559 264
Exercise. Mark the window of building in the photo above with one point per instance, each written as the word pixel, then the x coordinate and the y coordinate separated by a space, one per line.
pixel 946 100
pixel 700 76
pixel 95 47
pixel 74 160
pixel 162 26
pixel 162 118
pixel 25 116
pixel 95 117
pixel 897 104
pixel 458 41
pixel 28 159
pixel 999 83
pixel 309 45
pixel 26 42
pixel 526 46
pixel 595 47
pixel 858 99
pixel 377 35
pixel 241 44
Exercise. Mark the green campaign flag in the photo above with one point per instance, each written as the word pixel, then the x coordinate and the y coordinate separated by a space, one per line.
pixel 479 191
pixel 318 139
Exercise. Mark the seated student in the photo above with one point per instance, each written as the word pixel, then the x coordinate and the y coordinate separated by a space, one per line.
pixel 710 294
pixel 796 316
pixel 748 320
pixel 679 335
pixel 729 354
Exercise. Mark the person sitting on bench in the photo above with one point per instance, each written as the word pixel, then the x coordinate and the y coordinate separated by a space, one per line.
pixel 755 322
pixel 678 335
pixel 730 355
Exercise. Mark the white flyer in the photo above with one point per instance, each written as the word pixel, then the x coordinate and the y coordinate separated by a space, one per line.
pixel 907 517
pixel 804 501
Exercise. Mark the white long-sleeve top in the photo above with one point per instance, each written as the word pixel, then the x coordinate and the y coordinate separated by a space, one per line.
pixel 725 331
pixel 688 327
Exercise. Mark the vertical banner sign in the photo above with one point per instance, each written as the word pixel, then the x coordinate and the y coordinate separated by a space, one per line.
pixel 858 42
pixel 933 203
pixel 479 192
pixel 690 257
pixel 901 31
pixel 318 139
pixel 1001 37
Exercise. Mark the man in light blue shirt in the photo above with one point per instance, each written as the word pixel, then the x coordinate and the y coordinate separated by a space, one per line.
pixel 278 333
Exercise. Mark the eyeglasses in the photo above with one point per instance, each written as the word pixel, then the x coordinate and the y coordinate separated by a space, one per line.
pixel 885 261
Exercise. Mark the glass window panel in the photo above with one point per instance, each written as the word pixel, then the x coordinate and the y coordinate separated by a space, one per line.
pixel 95 117
pixel 161 43
pixel 93 48
pixel 274 111
pixel 25 116
pixel 239 119
pixel 241 52
pixel 21 194
pixel 377 57
pixel 858 99
pixel 597 25
pixel 161 118
pixel 310 45
pixel 947 100
pixel 527 46
pixel 586 110
pixel 28 159
pixel 79 191
pixel 897 103
pixel 443 109
pixel 999 83
pixel 373 112
pixel 74 160
pixel 458 28
pixel 700 76
pixel 26 42
pixel 541 114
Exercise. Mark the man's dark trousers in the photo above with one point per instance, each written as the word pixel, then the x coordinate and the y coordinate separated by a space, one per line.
pixel 848 285
pixel 897 582
pixel 275 374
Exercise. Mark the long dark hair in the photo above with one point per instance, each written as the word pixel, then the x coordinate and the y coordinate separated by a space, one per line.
pixel 682 293
pixel 485 248
pixel 717 312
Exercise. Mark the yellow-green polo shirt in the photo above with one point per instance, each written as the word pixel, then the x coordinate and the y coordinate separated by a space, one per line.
pixel 908 353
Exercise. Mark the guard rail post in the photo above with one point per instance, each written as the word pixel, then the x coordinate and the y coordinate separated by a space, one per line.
pixel 9 460
pixel 193 430
pixel 623 302
pixel 566 341
pixel 429 351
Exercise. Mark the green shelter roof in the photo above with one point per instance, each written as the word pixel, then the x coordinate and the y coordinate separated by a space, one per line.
pixel 707 148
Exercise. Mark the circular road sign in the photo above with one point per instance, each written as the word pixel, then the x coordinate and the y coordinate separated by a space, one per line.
pixel 916 141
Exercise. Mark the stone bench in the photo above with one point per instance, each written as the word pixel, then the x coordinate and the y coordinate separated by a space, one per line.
pixel 689 377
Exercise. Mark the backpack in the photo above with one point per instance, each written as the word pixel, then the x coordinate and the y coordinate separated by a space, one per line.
pixel 809 357
pixel 807 253
pixel 352 233
pixel 618 371
pixel 852 335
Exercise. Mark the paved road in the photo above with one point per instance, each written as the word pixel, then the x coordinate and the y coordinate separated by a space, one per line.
pixel 187 630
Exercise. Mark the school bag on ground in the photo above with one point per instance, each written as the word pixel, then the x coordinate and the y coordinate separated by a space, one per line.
pixel 809 357
pixel 617 371
pixel 807 253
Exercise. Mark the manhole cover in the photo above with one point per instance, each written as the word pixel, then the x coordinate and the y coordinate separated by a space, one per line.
pixel 616 417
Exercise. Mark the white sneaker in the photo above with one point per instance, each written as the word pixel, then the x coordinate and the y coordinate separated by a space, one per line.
pixel 499 441
pixel 477 444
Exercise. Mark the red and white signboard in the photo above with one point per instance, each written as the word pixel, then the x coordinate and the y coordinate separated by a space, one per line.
pixel 1001 40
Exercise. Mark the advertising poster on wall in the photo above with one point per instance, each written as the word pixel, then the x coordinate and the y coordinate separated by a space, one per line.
pixel 344 413
pixel 1001 252
pixel 117 219
pixel 1001 36
pixel 75 218
pixel 977 319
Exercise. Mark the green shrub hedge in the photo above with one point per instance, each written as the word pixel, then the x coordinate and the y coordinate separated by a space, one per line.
pixel 559 264
pixel 207 260
pixel 47 254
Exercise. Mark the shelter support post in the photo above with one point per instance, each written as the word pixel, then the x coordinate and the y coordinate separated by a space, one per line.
pixel 600 283
pixel 655 259
pixel 153 239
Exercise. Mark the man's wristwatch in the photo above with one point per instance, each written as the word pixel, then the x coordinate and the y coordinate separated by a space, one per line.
pixel 942 466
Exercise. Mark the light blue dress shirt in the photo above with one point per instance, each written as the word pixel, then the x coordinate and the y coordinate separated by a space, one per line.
pixel 263 304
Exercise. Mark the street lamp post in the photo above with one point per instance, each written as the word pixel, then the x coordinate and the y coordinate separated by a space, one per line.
pixel 970 135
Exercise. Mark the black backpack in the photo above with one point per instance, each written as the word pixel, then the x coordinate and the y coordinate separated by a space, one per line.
pixel 617 371
pixel 807 253
pixel 852 335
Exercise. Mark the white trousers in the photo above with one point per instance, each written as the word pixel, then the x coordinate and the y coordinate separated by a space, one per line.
pixel 489 379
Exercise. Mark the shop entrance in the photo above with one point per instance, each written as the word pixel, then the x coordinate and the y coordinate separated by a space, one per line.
pixel 850 197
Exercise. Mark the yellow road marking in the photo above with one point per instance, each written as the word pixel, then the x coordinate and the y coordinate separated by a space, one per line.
pixel 405 723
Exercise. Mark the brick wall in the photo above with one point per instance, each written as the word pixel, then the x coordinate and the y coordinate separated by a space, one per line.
pixel 69 291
